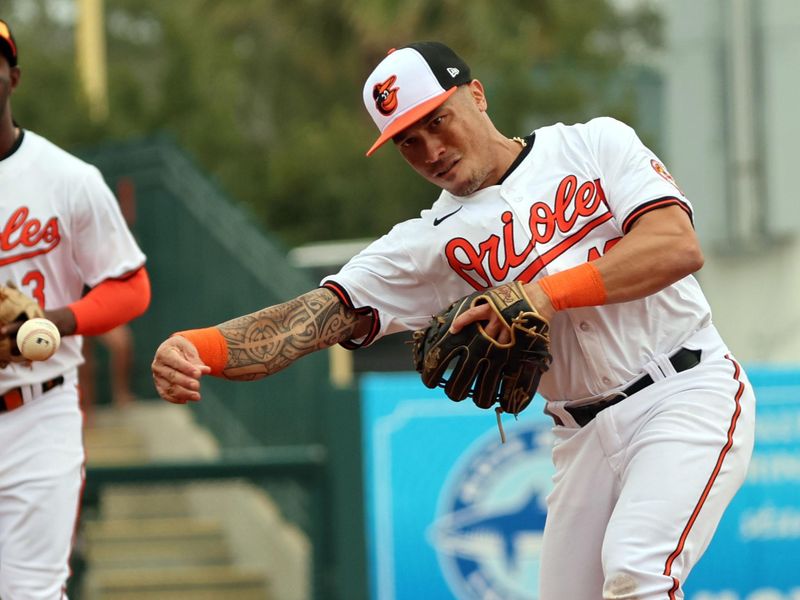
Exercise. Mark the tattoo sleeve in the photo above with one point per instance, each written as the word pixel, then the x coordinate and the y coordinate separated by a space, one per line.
pixel 266 341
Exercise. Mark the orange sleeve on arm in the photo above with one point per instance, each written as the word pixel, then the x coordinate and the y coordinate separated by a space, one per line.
pixel 211 346
pixel 575 287
pixel 112 303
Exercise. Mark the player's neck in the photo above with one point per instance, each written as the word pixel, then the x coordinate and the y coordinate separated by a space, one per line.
pixel 9 133
pixel 508 149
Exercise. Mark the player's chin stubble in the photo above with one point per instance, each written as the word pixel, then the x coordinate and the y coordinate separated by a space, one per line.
pixel 476 181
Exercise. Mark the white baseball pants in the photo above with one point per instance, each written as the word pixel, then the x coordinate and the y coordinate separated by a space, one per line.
pixel 639 491
pixel 41 477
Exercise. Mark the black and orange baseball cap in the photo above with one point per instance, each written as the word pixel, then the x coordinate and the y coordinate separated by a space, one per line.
pixel 7 45
pixel 410 83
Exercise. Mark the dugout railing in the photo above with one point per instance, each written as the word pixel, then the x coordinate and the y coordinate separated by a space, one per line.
pixel 208 262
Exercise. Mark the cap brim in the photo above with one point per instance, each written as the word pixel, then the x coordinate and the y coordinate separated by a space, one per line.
pixel 409 118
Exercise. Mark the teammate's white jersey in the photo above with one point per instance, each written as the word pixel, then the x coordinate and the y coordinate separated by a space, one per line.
pixel 60 228
pixel 569 198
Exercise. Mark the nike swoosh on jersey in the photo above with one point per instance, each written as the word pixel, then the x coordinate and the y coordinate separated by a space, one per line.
pixel 439 220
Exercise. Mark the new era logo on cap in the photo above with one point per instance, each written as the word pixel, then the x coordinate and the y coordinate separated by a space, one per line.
pixel 7 45
pixel 409 83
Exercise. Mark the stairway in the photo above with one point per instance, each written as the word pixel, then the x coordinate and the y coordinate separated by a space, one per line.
pixel 132 554
pixel 148 542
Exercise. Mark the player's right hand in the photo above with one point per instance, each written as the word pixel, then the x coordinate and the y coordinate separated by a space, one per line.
pixel 177 370
pixel 494 326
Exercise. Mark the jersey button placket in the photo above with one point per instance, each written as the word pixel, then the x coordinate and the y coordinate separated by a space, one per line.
pixel 592 345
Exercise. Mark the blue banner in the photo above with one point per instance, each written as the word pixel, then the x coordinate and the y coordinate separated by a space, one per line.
pixel 453 513
pixel 754 555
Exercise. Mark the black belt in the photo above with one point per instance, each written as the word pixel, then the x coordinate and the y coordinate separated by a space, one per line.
pixel 13 398
pixel 683 360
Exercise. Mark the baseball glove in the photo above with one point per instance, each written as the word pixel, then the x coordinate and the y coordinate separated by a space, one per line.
pixel 484 369
pixel 14 306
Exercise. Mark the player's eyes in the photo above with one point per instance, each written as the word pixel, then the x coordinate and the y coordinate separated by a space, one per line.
pixel 435 122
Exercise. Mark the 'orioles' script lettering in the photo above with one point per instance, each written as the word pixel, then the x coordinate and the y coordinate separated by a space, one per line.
pixel 498 254
pixel 27 237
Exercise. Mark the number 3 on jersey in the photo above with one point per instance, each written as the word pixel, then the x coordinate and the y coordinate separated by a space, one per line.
pixel 36 279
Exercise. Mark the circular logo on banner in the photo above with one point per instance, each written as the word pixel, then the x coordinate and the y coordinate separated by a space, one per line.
pixel 490 516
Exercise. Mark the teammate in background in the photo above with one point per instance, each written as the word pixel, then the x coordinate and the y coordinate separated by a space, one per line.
pixel 119 344
pixel 653 418
pixel 60 229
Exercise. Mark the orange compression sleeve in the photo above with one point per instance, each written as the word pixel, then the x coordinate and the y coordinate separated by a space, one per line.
pixel 112 303
pixel 211 346
pixel 575 287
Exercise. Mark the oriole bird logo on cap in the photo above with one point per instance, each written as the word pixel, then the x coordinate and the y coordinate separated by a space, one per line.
pixel 386 96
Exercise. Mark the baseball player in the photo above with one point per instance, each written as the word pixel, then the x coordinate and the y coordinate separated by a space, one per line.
pixel 653 417
pixel 60 229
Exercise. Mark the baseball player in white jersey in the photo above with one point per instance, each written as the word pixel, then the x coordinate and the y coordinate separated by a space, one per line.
pixel 60 230
pixel 653 417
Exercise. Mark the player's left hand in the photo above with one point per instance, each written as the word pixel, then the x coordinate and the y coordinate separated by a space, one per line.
pixel 177 370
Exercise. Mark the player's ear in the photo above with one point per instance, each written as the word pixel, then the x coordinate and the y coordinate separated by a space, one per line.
pixel 14 74
pixel 478 95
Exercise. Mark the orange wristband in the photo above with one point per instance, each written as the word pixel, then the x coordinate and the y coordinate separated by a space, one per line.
pixel 211 346
pixel 576 287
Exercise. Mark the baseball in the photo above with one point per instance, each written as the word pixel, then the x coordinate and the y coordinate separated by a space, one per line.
pixel 38 339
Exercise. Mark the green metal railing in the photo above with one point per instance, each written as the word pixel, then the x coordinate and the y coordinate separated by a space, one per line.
pixel 208 262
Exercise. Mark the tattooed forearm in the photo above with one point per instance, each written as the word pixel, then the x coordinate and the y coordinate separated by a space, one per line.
pixel 271 339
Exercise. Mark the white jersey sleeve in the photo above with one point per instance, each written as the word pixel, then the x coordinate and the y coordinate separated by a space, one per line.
pixel 385 281
pixel 634 179
pixel 98 224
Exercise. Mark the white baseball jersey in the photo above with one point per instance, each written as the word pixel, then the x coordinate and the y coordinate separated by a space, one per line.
pixel 60 228
pixel 576 190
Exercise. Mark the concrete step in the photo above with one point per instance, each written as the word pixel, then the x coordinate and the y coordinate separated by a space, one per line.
pixel 147 555
pixel 116 456
pixel 200 583
pixel 167 431
pixel 118 530
pixel 142 502
pixel 178 542
pixel 113 435
pixel 114 445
